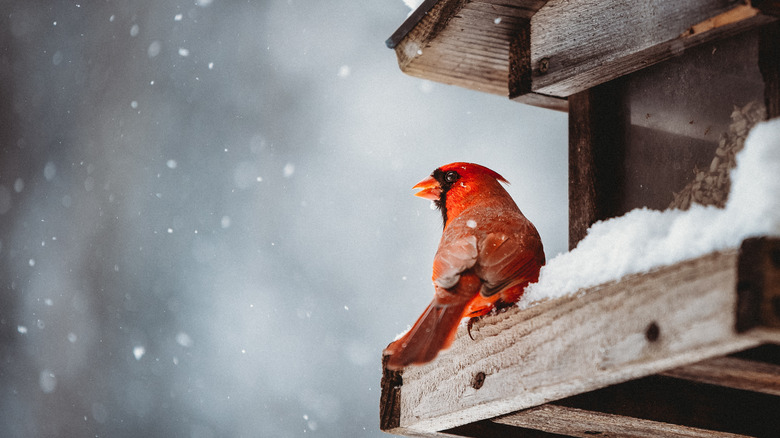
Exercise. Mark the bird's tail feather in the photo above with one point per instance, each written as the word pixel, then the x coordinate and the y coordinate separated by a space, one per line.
pixel 435 329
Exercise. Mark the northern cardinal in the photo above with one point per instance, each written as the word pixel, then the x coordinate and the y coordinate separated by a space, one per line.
pixel 488 253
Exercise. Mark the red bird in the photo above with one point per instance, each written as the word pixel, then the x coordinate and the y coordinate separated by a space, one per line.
pixel 488 253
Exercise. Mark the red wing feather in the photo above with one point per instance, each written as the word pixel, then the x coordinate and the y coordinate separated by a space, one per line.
pixel 452 259
pixel 504 261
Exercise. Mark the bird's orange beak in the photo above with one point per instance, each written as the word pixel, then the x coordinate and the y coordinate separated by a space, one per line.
pixel 430 189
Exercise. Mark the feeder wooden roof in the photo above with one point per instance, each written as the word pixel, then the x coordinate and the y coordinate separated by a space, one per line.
pixel 540 52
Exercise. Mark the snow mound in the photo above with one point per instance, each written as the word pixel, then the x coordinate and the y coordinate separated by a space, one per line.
pixel 644 239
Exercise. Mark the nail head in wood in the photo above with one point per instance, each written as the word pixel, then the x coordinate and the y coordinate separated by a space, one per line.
pixel 544 65
pixel 479 380
pixel 653 332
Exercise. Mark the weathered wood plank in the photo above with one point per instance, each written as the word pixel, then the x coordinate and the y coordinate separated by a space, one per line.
pixel 465 43
pixel 732 373
pixel 573 46
pixel 390 399
pixel 542 101
pixel 520 62
pixel 587 43
pixel 612 333
pixel 769 65
pixel 759 284
pixel 686 403
pixel 595 160
pixel 582 423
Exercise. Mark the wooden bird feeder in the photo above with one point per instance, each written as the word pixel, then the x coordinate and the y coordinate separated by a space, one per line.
pixel 660 97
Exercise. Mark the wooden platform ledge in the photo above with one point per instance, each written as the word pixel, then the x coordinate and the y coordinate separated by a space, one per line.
pixel 664 321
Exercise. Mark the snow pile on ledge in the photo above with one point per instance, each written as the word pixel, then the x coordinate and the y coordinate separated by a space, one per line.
pixel 644 239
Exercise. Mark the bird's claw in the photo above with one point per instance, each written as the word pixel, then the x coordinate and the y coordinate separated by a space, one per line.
pixel 471 322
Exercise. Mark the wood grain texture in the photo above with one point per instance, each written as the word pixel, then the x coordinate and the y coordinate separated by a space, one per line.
pixel 559 348
pixel 769 65
pixel 542 101
pixel 586 43
pixel 582 423
pixel 732 373
pixel 686 403
pixel 520 61
pixel 573 46
pixel 465 43
pixel 759 284
pixel 390 399
pixel 596 158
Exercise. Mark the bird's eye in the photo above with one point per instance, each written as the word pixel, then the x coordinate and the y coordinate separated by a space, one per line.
pixel 451 176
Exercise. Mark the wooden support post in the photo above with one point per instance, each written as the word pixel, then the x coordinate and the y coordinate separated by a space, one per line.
pixel 759 284
pixel 596 156
pixel 390 400
pixel 769 65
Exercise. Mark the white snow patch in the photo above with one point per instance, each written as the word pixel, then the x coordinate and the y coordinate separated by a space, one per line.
pixel 47 381
pixel 288 170
pixel 154 49
pixel 184 52
pixel 425 86
pixel 183 339
pixel 245 174
pixel 49 171
pixel 139 351
pixel 21 329
pixel 171 164
pixel 178 17
pixel 644 239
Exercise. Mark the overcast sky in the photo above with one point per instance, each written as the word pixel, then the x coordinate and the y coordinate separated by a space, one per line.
pixel 207 226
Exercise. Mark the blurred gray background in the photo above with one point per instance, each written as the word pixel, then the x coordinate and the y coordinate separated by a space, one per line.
pixel 207 226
